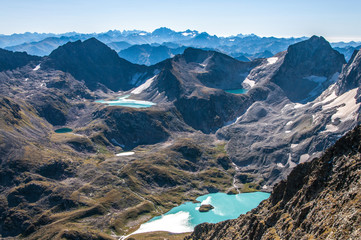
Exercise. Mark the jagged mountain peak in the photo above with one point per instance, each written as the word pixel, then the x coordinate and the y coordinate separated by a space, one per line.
pixel 316 48
pixel 308 68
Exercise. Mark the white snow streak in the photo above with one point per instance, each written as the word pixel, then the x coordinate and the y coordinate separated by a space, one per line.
pixel 346 108
pixel 37 68
pixel 124 154
pixel 144 86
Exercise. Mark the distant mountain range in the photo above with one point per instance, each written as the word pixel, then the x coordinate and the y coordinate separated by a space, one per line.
pixel 152 47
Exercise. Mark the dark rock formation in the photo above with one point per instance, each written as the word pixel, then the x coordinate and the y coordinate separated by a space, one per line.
pixel 205 208
pixel 320 199
pixel 95 63
pixel 12 60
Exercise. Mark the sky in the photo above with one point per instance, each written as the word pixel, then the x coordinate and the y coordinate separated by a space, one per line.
pixel 334 19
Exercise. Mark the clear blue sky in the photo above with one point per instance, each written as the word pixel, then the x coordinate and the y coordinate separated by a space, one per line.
pixel 334 19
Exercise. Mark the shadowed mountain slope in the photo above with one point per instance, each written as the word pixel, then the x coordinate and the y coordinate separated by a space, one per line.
pixel 12 60
pixel 95 63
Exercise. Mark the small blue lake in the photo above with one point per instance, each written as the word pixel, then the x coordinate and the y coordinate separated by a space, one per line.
pixel 186 216
pixel 125 102
pixel 236 91
pixel 63 130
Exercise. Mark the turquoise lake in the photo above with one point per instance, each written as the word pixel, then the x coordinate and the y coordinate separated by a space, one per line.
pixel 63 130
pixel 236 91
pixel 186 216
pixel 125 102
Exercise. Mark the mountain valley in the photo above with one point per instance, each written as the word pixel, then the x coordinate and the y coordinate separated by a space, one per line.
pixel 117 167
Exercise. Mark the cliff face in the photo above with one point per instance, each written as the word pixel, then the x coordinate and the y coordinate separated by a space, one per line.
pixel 320 199
pixel 351 74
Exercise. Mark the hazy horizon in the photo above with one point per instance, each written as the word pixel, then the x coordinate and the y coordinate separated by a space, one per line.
pixel 62 33
pixel 330 19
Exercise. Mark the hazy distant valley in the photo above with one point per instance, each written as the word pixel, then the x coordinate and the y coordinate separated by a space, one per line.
pixel 101 132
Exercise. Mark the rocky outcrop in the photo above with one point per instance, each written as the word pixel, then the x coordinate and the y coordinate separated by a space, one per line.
pixel 205 208
pixel 320 199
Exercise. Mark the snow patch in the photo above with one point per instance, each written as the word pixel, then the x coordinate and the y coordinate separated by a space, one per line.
pixel 206 201
pixel 331 128
pixel 298 105
pixel 37 67
pixel 347 109
pixel 304 158
pixel 280 165
pixel 294 145
pixel 289 123
pixel 144 86
pixel 124 154
pixel 272 60
pixel 288 131
pixel 249 82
